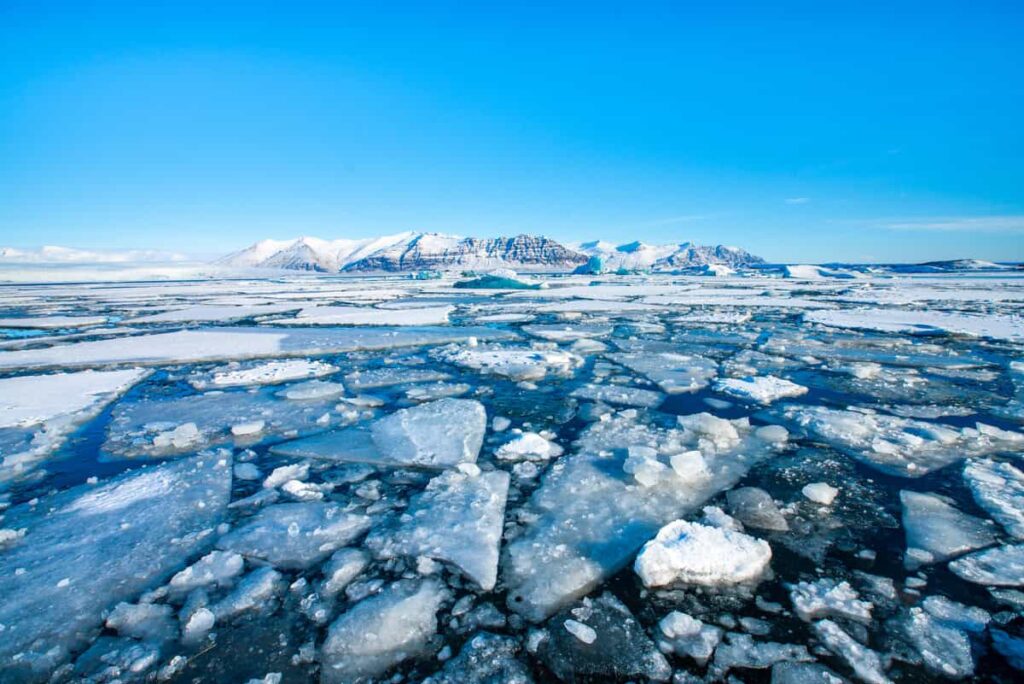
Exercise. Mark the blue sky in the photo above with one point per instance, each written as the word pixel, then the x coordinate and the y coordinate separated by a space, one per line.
pixel 800 131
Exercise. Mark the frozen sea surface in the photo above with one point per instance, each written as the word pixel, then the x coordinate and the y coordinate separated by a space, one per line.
pixel 813 478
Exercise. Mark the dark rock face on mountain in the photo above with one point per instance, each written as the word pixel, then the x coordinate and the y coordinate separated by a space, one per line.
pixel 428 253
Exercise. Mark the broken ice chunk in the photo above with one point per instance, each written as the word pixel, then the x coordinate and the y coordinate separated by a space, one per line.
pixel 894 445
pixel 820 493
pixel 936 531
pixel 691 553
pixel 382 631
pixel 216 567
pixel 673 373
pixel 38 412
pixel 528 446
pixel 143 621
pixel 515 364
pixel 829 598
pixel 1002 566
pixel 940 631
pixel 687 636
pixel 253 592
pixel 740 650
pixel 590 516
pixel 269 373
pixel 756 508
pixel 761 389
pixel 343 567
pixel 998 487
pixel 864 662
pixel 295 535
pixel 92 546
pixel 439 434
pixel 619 395
pixel 457 518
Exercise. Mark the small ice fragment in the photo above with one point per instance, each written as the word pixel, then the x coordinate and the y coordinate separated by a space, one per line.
pixel 581 631
pixel 820 493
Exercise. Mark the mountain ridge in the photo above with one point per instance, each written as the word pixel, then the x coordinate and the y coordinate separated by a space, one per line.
pixel 411 251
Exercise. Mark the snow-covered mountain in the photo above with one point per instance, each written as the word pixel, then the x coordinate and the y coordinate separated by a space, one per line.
pixel 639 255
pixel 408 252
pixel 436 251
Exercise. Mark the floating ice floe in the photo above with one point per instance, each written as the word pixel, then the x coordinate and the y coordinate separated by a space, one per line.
pixel 52 322
pixel 864 662
pixel 740 650
pixel 458 518
pixel 295 535
pixel 37 412
pixel 312 390
pixel 568 333
pixel 941 631
pixel 366 315
pixel 686 636
pixel 762 389
pixel 820 493
pixel 438 434
pixel 214 313
pixel 590 515
pixel 91 547
pixel 516 364
pixel 936 531
pixel 756 508
pixel 215 344
pixel 998 487
pixel 381 631
pixel 673 373
pixel 994 326
pixel 374 378
pixel 619 395
pixel 271 373
pixel 528 446
pixel 159 426
pixel 894 445
pixel 1002 566
pixel 691 553
pixel 828 598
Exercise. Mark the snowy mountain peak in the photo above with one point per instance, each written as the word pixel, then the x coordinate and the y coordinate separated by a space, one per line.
pixel 411 251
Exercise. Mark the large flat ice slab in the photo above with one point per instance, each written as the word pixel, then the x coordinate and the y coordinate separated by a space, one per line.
pixel 295 535
pixel 458 519
pixel 596 507
pixel 91 547
pixel 894 445
pixel 382 631
pixel 673 373
pixel 937 531
pixel 994 326
pixel 38 411
pixel 998 487
pixel 438 434
pixel 214 344
pixel 366 315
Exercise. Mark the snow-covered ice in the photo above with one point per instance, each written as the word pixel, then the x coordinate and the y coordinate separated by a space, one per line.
pixel 691 553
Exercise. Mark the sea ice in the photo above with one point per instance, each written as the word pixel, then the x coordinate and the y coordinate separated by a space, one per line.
pixel 998 487
pixel 829 598
pixel 589 516
pixel 37 412
pixel 366 315
pixel 893 445
pixel 528 446
pixel 674 373
pixel 515 364
pixel 458 518
pixel 761 389
pixel 756 508
pixel 619 395
pixel 270 373
pixel 936 531
pixel 438 434
pixel 90 547
pixel 691 553
pixel 820 493
pixel 686 636
pixel 1002 566
pixel 485 658
pixel 295 535
pixel 864 662
pixel 994 326
pixel 381 631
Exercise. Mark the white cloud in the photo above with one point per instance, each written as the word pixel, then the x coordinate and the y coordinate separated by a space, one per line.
pixel 798 200
pixel 948 224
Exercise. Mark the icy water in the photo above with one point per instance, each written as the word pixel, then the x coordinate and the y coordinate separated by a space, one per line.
pixel 621 478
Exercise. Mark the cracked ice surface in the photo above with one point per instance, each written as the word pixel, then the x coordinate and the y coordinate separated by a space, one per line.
pixel 364 524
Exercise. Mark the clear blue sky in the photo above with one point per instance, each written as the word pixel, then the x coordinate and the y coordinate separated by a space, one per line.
pixel 809 131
